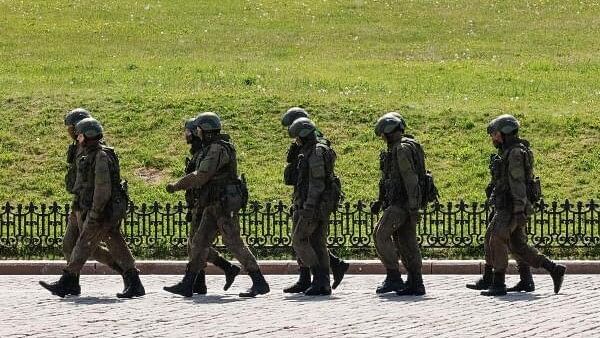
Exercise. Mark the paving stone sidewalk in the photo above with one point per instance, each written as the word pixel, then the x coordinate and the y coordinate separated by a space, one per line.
pixel 448 310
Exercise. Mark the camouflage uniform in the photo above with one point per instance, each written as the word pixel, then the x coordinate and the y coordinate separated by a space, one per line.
pixel 102 207
pixel 395 233
pixel 215 171
pixel 74 221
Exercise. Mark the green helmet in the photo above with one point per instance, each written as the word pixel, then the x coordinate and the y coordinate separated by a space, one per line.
pixel 208 121
pixel 388 123
pixel 76 115
pixel 505 124
pixel 89 127
pixel 301 127
pixel 190 124
pixel 292 115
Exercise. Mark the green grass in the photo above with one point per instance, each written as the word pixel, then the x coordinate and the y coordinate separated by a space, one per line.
pixel 448 67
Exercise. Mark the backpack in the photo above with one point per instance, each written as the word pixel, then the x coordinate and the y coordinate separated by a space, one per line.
pixel 429 192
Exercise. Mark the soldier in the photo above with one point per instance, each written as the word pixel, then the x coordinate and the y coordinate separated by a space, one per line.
pixel 223 194
pixel 317 192
pixel 290 177
pixel 513 191
pixel 102 199
pixel 401 197
pixel 195 209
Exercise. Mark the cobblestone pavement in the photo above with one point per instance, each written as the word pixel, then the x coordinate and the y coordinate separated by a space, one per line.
pixel 448 309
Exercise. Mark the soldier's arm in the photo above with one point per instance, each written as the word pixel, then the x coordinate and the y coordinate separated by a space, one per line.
pixel 210 164
pixel 516 179
pixel 102 184
pixel 316 178
pixel 409 175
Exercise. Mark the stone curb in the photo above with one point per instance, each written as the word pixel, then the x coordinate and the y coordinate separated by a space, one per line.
pixel 283 267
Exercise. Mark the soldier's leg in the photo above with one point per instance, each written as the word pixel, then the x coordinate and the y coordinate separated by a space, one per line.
pixel 71 235
pixel 485 281
pixel 303 282
pixel 229 226
pixel 124 259
pixel 301 241
pixel 386 248
pixel 520 247
pixel 198 253
pixel 500 230
pixel 411 253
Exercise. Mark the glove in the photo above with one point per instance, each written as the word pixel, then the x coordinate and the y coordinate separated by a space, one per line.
pixel 307 213
pixel 376 207
pixel 520 218
pixel 170 188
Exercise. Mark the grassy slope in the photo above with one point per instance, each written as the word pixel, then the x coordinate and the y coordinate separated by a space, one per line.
pixel 143 67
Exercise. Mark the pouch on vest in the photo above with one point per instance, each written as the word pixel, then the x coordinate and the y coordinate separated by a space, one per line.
pixel 235 196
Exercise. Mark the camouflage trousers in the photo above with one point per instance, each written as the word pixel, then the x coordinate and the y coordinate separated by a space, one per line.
pixel 213 254
pixel 309 239
pixel 504 234
pixel 91 234
pixel 215 220
pixel 74 227
pixel 396 237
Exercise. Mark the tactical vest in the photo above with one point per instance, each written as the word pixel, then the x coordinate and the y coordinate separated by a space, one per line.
pixel 216 189
pixel 333 194
pixel 85 182
pixel 392 189
pixel 500 195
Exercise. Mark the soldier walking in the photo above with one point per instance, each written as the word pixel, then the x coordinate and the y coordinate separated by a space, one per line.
pixel 224 195
pixel 514 189
pixel 290 177
pixel 101 203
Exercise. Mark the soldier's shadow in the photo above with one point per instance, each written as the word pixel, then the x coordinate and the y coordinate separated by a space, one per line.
pixel 217 299
pixel 90 300
pixel 392 297
pixel 520 297
pixel 301 298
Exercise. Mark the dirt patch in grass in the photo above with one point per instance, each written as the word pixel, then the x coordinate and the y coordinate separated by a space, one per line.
pixel 150 175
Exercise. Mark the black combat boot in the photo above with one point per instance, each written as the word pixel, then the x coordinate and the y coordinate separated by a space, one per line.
pixel 133 285
pixel 338 269
pixel 525 283
pixel 484 282
pixel 200 283
pixel 231 271
pixel 414 285
pixel 320 284
pixel 557 272
pixel 259 285
pixel 302 284
pixel 185 287
pixel 497 288
pixel 393 282
pixel 68 284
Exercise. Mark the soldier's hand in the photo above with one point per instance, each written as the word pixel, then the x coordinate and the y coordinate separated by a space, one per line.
pixel 520 218
pixel 170 188
pixel 376 207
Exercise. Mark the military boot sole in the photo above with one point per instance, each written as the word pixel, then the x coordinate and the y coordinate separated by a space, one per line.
pixel 522 288
pixel 318 292
pixel 58 291
pixel 230 276
pixel 494 292
pixel 558 276
pixel 139 292
pixel 411 292
pixel 253 292
pixel 174 290
pixel 338 274
pixel 389 288
pixel 296 288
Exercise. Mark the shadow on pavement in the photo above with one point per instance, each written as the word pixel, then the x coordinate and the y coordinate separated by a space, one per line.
pixel 520 297
pixel 91 300
pixel 301 298
pixel 392 297
pixel 217 299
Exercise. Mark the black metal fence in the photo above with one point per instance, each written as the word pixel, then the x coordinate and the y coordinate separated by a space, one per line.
pixel 156 230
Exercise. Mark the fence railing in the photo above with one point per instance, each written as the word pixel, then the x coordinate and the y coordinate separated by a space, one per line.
pixel 161 230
